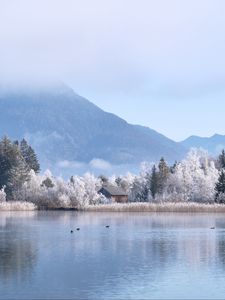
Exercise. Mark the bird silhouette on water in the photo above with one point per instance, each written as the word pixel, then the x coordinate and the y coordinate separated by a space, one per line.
pixel 213 228
pixel 78 229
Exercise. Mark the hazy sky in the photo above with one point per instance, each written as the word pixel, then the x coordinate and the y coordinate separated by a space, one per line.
pixel 158 63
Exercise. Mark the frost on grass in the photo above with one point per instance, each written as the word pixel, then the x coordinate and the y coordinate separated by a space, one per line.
pixel 17 206
pixel 190 207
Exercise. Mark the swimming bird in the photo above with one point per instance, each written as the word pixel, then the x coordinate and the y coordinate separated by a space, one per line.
pixel 107 226
pixel 71 231
pixel 212 228
pixel 78 229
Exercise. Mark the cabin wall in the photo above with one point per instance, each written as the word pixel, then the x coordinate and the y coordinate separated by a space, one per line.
pixel 120 199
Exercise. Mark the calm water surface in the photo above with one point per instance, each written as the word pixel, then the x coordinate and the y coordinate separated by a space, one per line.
pixel 140 256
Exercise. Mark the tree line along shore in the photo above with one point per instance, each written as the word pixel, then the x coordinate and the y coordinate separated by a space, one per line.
pixel 195 184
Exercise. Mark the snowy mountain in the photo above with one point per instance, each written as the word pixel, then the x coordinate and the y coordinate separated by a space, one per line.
pixel 67 130
pixel 213 144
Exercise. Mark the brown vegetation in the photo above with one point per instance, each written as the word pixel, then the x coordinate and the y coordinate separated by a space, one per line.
pixel 188 207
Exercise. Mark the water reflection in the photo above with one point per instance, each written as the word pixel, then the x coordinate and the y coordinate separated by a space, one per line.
pixel 18 252
pixel 141 255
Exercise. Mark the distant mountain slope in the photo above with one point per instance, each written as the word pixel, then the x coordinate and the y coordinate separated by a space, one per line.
pixel 62 125
pixel 213 144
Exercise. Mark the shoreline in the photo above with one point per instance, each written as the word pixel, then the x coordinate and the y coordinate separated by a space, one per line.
pixel 139 207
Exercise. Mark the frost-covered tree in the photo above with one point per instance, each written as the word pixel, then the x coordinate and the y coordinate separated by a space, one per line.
pixel 125 182
pixel 47 182
pixel 220 188
pixel 139 191
pixel 18 175
pixel 78 193
pixel 118 180
pixel 193 179
pixel 173 167
pixel 221 160
pixel 51 192
pixel 103 179
pixel 92 185
pixel 154 183
pixel 13 169
pixel 29 156
pixel 2 195
pixel 163 175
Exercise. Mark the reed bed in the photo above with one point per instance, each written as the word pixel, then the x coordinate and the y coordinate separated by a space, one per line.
pixel 17 206
pixel 190 207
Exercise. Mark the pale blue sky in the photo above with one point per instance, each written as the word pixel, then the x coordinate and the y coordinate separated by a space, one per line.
pixel 176 118
pixel 158 63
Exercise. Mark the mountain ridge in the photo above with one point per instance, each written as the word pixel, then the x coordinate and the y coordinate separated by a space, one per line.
pixel 62 125
pixel 213 144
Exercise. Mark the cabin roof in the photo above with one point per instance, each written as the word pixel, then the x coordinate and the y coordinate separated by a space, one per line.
pixel 113 190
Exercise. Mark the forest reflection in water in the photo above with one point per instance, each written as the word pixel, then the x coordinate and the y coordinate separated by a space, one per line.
pixel 152 255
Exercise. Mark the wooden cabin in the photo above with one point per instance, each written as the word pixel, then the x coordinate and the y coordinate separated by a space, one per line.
pixel 114 193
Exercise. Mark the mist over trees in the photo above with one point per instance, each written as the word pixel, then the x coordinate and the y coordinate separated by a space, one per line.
pixel 197 178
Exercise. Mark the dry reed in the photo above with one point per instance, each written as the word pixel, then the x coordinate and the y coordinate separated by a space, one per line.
pixel 17 206
pixel 190 207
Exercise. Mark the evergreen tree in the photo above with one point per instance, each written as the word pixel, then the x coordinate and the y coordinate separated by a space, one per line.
pixel 29 156
pixel 118 181
pixel 147 186
pixel 9 154
pixel 173 167
pixel 17 176
pixel 154 184
pixel 72 180
pixel 12 166
pixel 221 160
pixel 48 183
pixel 164 171
pixel 220 188
pixel 103 179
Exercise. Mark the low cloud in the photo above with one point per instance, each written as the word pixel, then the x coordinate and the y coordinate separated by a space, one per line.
pixel 145 49
pixel 97 166
pixel 100 164
pixel 67 164
pixel 94 164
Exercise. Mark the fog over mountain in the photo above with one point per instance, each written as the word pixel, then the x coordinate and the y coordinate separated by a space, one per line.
pixel 70 134
pixel 155 63
pixel 213 144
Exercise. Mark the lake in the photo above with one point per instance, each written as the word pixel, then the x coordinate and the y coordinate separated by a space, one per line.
pixel 141 255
